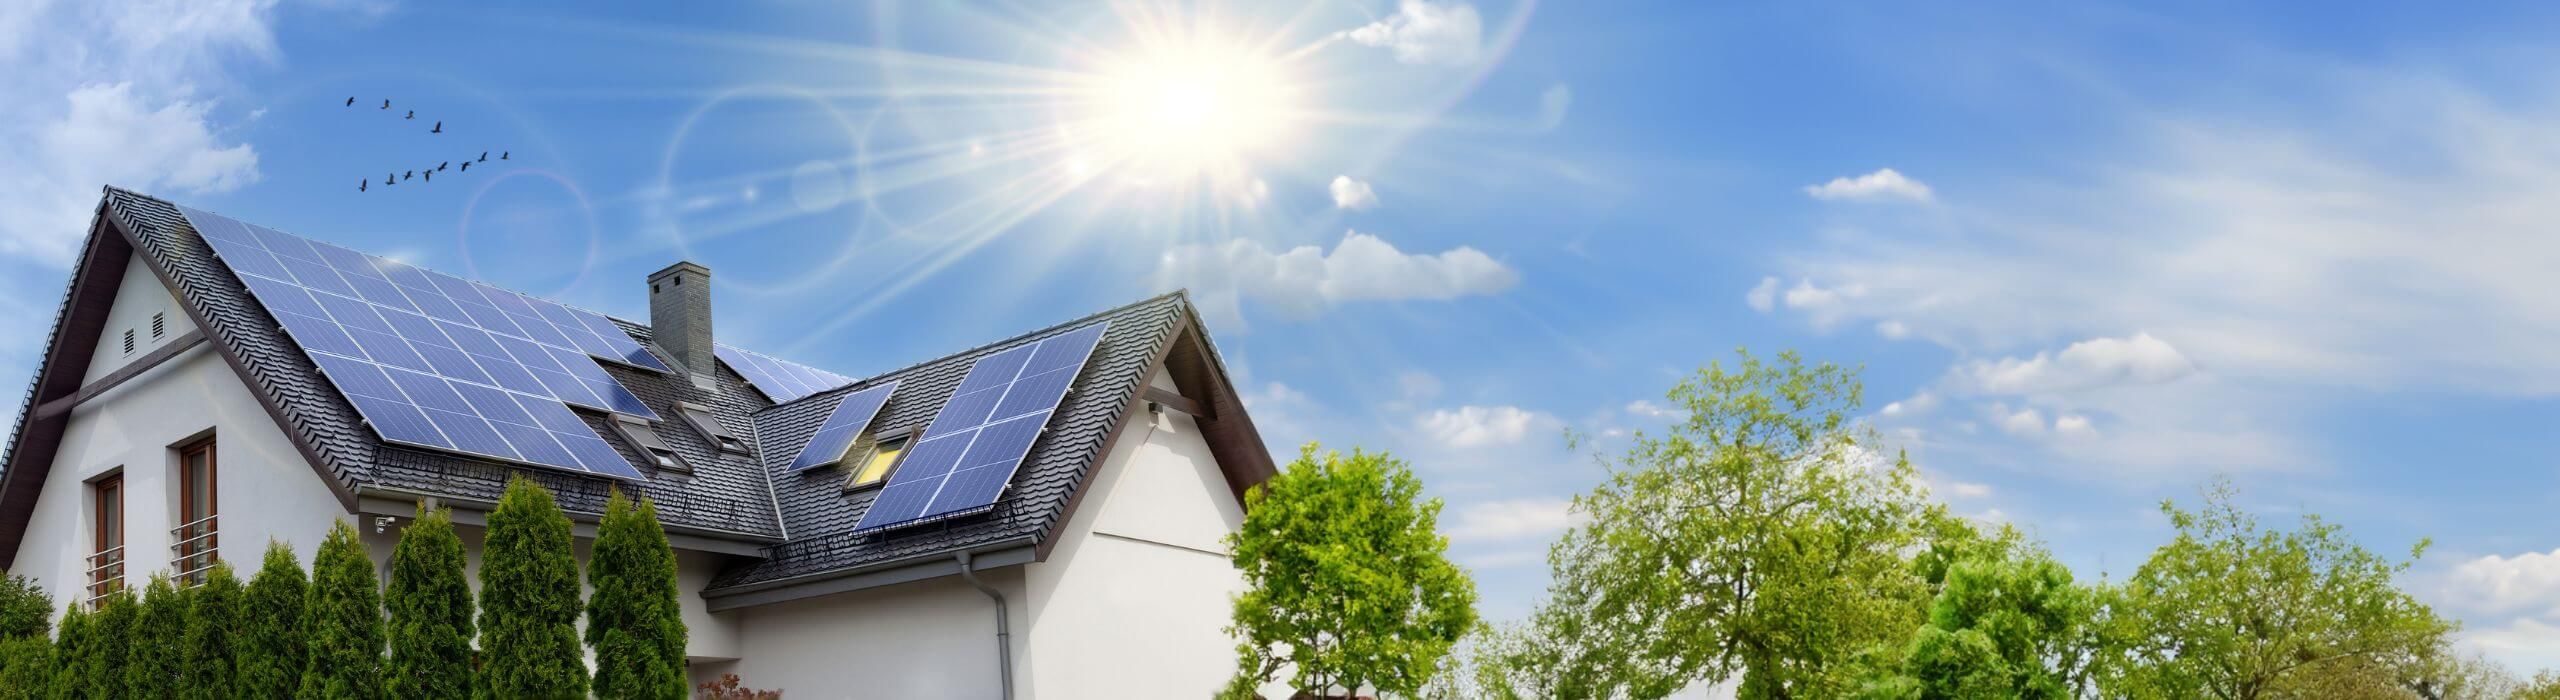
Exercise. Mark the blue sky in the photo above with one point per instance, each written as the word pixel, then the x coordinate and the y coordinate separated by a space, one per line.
pixel 2090 257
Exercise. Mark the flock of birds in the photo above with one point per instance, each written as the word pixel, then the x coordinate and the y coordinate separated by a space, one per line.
pixel 396 178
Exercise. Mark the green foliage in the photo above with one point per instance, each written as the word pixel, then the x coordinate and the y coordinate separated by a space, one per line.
pixel 1347 579
pixel 75 652
pixel 634 619
pixel 529 600
pixel 25 609
pixel 26 667
pixel 344 621
pixel 102 670
pixel 1761 538
pixel 2001 626
pixel 214 619
pixel 271 648
pixel 430 607
pixel 2229 610
pixel 155 650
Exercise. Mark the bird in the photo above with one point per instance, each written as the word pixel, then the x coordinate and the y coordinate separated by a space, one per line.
pixel 502 155
pixel 413 114
pixel 440 166
pixel 431 176
pixel 438 130
pixel 386 103
pixel 351 101
pixel 388 180
pixel 404 175
pixel 361 183
pixel 484 156
pixel 466 166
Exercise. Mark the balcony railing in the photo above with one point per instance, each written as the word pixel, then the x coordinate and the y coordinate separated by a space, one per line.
pixel 193 549
pixel 106 574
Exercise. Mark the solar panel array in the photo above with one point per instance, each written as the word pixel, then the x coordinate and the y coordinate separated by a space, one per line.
pixel 435 361
pixel 783 381
pixel 973 447
pixel 843 427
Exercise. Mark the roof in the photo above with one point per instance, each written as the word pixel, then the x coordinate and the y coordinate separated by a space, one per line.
pixel 805 518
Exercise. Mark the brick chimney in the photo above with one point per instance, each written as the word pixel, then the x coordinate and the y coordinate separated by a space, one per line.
pixel 680 318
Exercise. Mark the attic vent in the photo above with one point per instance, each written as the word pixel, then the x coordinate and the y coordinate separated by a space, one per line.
pixel 128 341
pixel 709 426
pixel 638 433
pixel 159 325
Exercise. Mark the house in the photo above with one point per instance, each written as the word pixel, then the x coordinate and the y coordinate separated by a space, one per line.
pixel 187 409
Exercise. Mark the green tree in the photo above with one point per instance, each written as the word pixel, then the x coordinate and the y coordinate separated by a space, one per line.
pixel 26 668
pixel 2000 627
pixel 155 650
pixel 113 634
pixel 25 609
pixel 214 620
pixel 74 655
pixel 634 619
pixel 272 651
pixel 2230 610
pixel 529 600
pixel 1761 538
pixel 430 602
pixel 344 621
pixel 1347 579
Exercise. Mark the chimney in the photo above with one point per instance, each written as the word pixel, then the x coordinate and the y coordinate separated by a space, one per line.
pixel 680 318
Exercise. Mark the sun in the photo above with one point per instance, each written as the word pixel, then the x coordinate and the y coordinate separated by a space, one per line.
pixel 1192 107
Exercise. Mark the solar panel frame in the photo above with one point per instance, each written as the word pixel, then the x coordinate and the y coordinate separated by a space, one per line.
pixel 782 380
pixel 844 425
pixel 969 454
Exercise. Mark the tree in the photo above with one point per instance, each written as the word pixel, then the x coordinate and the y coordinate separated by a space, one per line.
pixel 214 619
pixel 430 605
pixel 344 621
pixel 529 599
pixel 2229 610
pixel 1760 538
pixel 26 668
pixel 74 655
pixel 272 651
pixel 634 619
pixel 155 649
pixel 2000 627
pixel 25 609
pixel 1347 579
pixel 103 670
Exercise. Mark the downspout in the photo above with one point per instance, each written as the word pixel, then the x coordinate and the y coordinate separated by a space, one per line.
pixel 1004 625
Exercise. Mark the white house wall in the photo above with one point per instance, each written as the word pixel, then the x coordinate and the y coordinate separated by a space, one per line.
pixel 933 638
pixel 138 297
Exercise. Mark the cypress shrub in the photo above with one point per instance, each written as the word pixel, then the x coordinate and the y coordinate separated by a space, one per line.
pixel 25 609
pixel 26 667
pixel 214 621
pixel 103 674
pixel 633 619
pixel 73 655
pixel 529 600
pixel 155 643
pixel 344 621
pixel 271 649
pixel 430 604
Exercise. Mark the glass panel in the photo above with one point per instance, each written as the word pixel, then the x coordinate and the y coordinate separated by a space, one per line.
pixel 881 458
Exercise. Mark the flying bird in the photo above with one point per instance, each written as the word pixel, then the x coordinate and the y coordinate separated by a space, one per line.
pixel 466 166
pixel 406 174
pixel 413 114
pixel 440 166
pixel 431 176
pixel 351 101
pixel 484 156
pixel 502 155
pixel 439 128
pixel 386 103
pixel 361 183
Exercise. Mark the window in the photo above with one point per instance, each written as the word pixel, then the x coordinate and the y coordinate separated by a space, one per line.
pixel 106 564
pixel 196 541
pixel 709 426
pixel 877 457
pixel 641 437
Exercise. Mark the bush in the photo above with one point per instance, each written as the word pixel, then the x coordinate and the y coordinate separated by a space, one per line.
pixel 154 646
pixel 25 610
pixel 634 621
pixel 26 667
pixel 214 619
pixel 727 689
pixel 430 602
pixel 529 600
pixel 271 652
pixel 345 621
pixel 73 655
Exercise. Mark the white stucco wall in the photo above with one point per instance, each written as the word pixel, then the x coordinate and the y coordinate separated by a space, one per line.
pixel 925 639
pixel 1134 598
pixel 264 488
pixel 138 297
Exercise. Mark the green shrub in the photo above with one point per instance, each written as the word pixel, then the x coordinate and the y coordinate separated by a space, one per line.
pixel 345 621
pixel 73 655
pixel 430 604
pixel 25 610
pixel 26 667
pixel 103 673
pixel 214 620
pixel 529 600
pixel 271 648
pixel 154 645
pixel 634 621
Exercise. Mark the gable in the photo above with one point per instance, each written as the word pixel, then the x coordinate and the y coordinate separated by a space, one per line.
pixel 144 313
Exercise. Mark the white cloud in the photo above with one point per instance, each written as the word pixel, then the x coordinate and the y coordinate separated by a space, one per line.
pixel 1511 520
pixel 2024 422
pixel 1763 296
pixel 2528 582
pixel 1880 185
pixel 2086 364
pixel 1483 426
pixel 1428 33
pixel 1919 403
pixel 1648 409
pixel 1353 194
pixel 2074 426
pixel 1306 280
pixel 1553 105
pixel 1824 305
pixel 1892 329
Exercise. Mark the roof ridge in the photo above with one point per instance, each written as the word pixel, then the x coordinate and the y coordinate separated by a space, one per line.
pixel 1183 294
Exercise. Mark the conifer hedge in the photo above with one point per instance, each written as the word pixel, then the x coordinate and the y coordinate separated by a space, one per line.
pixel 25 610
pixel 214 621
pixel 430 602
pixel 634 621
pixel 153 652
pixel 344 622
pixel 102 670
pixel 271 650
pixel 26 667
pixel 73 652
pixel 529 600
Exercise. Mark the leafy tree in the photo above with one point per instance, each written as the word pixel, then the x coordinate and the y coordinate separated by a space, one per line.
pixel 272 651
pixel 75 656
pixel 1347 579
pixel 155 649
pixel 430 602
pixel 2000 627
pixel 26 667
pixel 104 667
pixel 2229 610
pixel 344 621
pixel 529 600
pixel 1760 538
pixel 25 609
pixel 214 619
pixel 2544 686
pixel 634 621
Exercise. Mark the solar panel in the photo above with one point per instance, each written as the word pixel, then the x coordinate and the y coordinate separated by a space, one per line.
pixel 416 363
pixel 842 427
pixel 973 447
pixel 781 380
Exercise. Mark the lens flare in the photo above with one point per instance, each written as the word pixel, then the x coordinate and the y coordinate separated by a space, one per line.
pixel 1197 106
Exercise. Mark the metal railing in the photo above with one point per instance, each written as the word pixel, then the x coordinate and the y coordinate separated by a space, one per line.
pixel 193 550
pixel 106 574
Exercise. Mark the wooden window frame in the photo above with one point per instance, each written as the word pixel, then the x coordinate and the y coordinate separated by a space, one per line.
pixel 184 556
pixel 107 503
